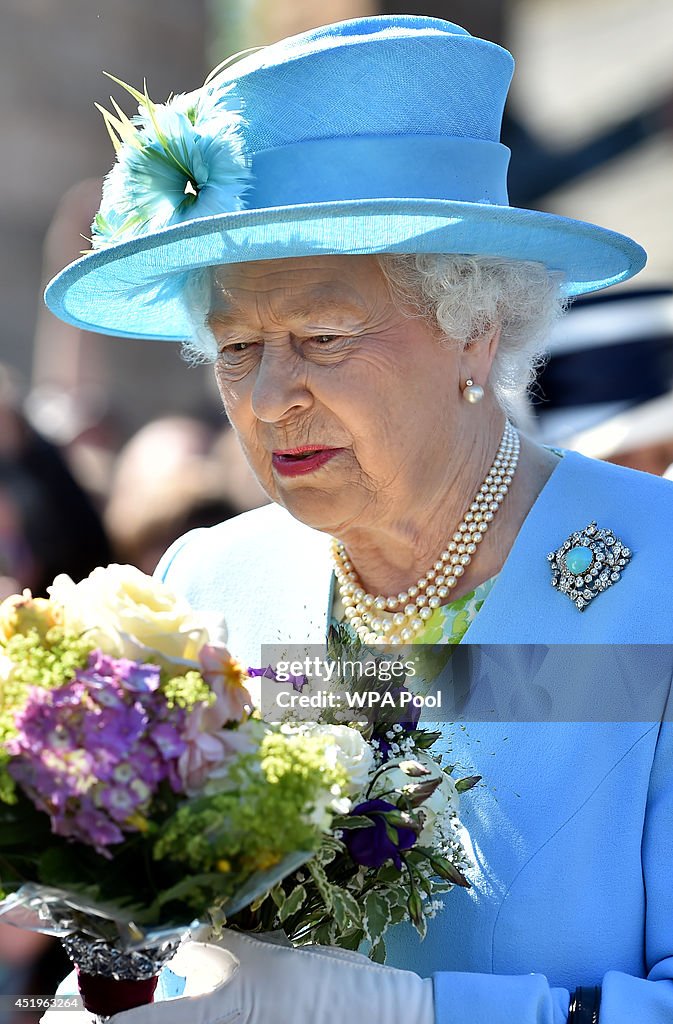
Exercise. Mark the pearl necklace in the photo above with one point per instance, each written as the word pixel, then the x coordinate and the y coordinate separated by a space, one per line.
pixel 409 611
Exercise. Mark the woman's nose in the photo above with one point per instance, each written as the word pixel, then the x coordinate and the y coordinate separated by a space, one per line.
pixel 281 385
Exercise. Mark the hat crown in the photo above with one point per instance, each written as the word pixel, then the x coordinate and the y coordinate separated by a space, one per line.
pixel 387 75
pixel 352 31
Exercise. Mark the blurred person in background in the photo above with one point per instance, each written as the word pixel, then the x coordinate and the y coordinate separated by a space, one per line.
pixel 607 388
pixel 48 524
pixel 175 474
pixel 30 965
pixel 240 484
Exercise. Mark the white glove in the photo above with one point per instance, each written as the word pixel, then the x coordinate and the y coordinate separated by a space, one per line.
pixel 263 983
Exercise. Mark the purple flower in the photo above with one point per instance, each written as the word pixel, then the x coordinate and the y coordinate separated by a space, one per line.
pixel 93 753
pixel 112 732
pixel 152 769
pixel 373 846
pixel 131 675
pixel 298 682
pixel 167 739
pixel 97 826
pixel 119 803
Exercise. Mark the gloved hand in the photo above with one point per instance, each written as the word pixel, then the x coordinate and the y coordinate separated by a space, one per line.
pixel 263 983
pixel 204 967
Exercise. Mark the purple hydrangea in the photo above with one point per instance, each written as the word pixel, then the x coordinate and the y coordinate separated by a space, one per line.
pixel 92 753
pixel 373 846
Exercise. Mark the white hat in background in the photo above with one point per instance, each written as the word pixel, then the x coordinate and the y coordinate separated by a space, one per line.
pixel 608 385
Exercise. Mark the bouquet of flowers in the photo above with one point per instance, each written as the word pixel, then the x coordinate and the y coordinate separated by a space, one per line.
pixel 142 793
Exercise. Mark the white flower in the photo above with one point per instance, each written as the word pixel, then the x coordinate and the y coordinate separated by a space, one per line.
pixel 130 615
pixel 441 805
pixel 349 749
pixel 326 806
pixel 438 808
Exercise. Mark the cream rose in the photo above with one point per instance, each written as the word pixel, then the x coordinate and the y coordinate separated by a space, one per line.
pixel 130 615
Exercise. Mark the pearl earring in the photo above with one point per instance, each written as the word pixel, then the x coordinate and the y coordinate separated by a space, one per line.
pixel 472 392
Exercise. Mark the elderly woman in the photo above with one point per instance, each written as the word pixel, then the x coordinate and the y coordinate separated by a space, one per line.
pixel 326 220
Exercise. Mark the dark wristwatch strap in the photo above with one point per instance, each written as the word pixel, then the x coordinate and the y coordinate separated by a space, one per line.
pixel 585 1005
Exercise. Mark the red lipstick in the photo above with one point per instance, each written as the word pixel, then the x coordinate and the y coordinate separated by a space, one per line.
pixel 304 459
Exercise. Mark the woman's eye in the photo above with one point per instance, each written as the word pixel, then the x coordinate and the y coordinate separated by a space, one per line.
pixel 240 346
pixel 236 348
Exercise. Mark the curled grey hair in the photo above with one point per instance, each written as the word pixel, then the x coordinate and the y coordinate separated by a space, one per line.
pixel 468 295
pixel 196 296
pixel 464 295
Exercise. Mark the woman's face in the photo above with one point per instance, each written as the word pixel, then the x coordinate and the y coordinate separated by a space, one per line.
pixel 348 408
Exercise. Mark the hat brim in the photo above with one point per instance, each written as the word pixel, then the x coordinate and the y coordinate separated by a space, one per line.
pixel 132 289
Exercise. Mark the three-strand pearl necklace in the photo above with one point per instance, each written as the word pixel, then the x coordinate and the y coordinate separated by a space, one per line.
pixel 396 620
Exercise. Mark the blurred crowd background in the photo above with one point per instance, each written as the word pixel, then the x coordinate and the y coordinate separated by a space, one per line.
pixel 111 448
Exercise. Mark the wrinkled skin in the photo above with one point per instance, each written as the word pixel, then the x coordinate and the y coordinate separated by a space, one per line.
pixel 317 351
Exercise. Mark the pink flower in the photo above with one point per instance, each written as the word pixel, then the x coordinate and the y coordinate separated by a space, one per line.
pixel 206 753
pixel 209 743
pixel 225 677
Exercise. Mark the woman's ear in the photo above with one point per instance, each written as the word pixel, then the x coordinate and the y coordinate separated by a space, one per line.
pixel 478 354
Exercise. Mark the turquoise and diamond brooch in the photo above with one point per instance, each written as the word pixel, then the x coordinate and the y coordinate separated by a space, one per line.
pixel 587 563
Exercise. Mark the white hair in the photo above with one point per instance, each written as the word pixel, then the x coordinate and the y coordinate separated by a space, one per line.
pixel 196 296
pixel 465 296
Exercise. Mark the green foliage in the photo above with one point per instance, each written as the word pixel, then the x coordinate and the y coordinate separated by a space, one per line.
pixel 378 952
pixel 424 740
pixel 332 901
pixel 292 904
pixel 47 661
pixel 346 909
pixel 377 916
pixel 7 784
pixel 463 785
pixel 261 815
pixel 187 691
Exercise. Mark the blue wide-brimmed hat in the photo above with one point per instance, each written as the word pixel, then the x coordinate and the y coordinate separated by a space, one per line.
pixel 368 136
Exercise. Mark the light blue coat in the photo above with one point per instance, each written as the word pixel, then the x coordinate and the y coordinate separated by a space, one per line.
pixel 573 824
